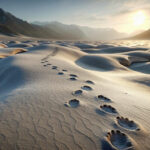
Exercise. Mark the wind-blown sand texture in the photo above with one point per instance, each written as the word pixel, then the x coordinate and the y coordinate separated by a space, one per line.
pixel 74 95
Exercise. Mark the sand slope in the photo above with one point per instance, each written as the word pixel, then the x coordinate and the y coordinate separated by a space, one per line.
pixel 56 96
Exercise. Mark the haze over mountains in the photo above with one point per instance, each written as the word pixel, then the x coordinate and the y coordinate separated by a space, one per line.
pixel 63 31
pixel 11 25
pixel 143 36
pixel 89 33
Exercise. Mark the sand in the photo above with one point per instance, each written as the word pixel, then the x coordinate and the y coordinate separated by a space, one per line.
pixel 74 95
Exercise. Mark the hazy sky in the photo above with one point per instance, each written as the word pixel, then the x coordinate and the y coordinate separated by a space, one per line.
pixel 117 14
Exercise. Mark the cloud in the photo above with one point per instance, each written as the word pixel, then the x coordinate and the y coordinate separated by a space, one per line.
pixel 126 7
pixel 95 18
pixel 122 12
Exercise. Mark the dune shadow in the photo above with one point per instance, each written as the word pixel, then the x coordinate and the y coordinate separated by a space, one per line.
pixel 11 77
pixel 111 49
pixel 98 63
pixel 143 67
pixel 144 81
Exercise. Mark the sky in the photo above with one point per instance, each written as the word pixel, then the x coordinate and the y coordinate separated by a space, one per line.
pixel 123 15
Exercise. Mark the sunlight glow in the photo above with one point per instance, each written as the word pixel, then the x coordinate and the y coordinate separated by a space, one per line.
pixel 139 18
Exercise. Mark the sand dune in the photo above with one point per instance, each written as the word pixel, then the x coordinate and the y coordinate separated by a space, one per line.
pixel 3 45
pixel 56 95
pixel 18 50
pixel 5 52
pixel 102 63
pixel 111 50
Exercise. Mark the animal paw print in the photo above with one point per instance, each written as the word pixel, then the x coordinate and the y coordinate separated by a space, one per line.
pixel 127 124
pixel 74 103
pixel 108 108
pixel 103 98
pixel 119 140
pixel 86 88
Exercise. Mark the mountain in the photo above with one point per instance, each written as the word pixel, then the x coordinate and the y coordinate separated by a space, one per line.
pixel 65 31
pixel 102 33
pixel 136 32
pixel 142 36
pixel 90 33
pixel 11 25
pixel 5 30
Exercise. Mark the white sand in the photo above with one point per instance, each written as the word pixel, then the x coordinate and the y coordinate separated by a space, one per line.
pixel 36 88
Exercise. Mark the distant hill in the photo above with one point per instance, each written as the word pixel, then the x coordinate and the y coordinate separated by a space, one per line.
pixel 11 25
pixel 102 33
pixel 5 30
pixel 65 31
pixel 90 33
pixel 142 36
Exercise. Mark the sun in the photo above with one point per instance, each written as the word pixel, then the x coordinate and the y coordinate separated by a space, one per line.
pixel 139 18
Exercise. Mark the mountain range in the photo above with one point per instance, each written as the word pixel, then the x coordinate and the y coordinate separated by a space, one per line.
pixel 11 25
pixel 142 36
pixel 89 33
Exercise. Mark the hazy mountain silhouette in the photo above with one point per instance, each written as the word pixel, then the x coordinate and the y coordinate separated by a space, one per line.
pixel 142 36
pixel 102 33
pixel 11 25
pixel 90 33
pixel 65 31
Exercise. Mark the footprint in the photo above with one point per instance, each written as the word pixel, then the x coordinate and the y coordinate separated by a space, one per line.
pixel 87 88
pixel 108 108
pixel 44 65
pixel 73 75
pixel 77 92
pixel 60 73
pixel 119 140
pixel 54 67
pixel 103 98
pixel 128 124
pixel 73 79
pixel 74 103
pixel 64 70
pixel 89 82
